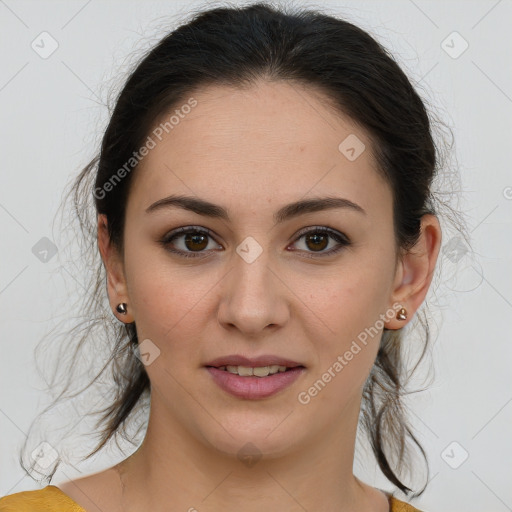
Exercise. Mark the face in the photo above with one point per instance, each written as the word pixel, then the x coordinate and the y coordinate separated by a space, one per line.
pixel 303 287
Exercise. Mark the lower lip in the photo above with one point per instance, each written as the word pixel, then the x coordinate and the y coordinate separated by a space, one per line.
pixel 254 387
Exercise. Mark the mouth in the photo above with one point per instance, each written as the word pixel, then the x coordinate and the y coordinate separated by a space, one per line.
pixel 227 362
pixel 255 371
pixel 253 383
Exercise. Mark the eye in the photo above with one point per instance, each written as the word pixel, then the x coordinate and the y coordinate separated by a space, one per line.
pixel 194 241
pixel 317 239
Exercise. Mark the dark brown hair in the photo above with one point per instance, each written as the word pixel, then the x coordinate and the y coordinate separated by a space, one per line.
pixel 237 46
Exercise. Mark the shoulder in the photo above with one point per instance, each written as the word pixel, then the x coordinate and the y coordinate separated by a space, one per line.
pixel 50 498
pixel 399 506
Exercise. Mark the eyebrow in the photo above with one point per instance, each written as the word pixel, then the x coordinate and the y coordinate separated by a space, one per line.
pixel 202 207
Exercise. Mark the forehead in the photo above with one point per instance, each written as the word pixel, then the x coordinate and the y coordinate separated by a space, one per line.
pixel 273 142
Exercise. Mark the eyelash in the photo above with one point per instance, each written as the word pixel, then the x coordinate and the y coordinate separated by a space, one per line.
pixel 342 240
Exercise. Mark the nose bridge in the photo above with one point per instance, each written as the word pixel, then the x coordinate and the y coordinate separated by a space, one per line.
pixel 251 270
pixel 251 295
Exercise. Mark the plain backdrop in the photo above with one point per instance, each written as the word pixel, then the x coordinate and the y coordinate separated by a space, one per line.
pixel 52 113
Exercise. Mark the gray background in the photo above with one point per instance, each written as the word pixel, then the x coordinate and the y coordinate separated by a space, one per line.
pixel 52 116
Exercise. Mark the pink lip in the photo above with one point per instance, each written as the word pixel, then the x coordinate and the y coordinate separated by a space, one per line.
pixel 264 360
pixel 254 387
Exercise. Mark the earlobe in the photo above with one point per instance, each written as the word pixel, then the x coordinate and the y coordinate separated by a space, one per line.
pixel 116 285
pixel 416 269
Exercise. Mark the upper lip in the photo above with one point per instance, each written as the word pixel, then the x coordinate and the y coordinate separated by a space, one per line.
pixel 263 360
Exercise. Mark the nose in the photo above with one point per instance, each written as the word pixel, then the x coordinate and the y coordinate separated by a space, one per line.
pixel 253 297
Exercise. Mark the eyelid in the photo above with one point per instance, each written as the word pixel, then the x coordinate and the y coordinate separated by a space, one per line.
pixel 323 229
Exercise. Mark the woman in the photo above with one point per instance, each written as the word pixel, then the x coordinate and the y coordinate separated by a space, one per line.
pixel 267 228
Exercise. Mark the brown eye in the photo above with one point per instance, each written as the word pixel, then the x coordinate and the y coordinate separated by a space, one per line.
pixel 196 242
pixel 192 242
pixel 317 240
pixel 187 241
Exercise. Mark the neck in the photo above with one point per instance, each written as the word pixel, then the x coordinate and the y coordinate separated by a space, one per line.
pixel 175 470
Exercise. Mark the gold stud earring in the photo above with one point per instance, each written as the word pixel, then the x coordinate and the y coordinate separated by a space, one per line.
pixel 402 314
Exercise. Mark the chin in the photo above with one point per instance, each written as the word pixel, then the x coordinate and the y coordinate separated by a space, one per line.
pixel 249 442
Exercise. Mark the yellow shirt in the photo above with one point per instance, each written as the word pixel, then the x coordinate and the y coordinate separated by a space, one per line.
pixel 52 499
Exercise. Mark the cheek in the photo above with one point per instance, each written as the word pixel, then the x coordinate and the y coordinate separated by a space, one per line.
pixel 157 288
pixel 169 304
pixel 351 306
pixel 345 357
pixel 351 299
pixel 165 303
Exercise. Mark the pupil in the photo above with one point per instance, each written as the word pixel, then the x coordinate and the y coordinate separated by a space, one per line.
pixel 195 238
pixel 315 239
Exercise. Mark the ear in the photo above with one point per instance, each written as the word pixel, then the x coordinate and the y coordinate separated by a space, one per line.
pixel 112 260
pixel 415 270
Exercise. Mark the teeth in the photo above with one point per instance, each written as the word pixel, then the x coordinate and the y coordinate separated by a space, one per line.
pixel 260 371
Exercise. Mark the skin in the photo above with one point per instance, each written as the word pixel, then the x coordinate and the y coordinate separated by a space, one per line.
pixel 252 151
